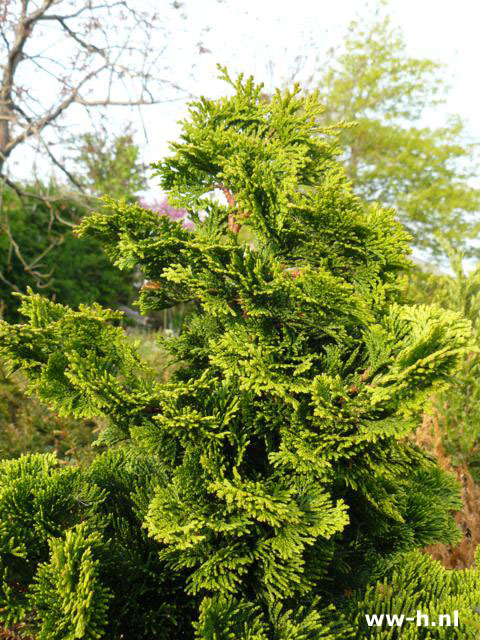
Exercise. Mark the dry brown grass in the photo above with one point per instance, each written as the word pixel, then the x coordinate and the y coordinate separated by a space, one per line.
pixel 14 633
pixel 429 437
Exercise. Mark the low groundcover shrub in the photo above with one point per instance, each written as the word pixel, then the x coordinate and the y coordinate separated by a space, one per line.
pixel 266 490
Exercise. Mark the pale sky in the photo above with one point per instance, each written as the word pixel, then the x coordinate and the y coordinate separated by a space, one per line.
pixel 263 37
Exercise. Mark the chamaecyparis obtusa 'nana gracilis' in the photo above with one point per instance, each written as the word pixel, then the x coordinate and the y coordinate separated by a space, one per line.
pixel 268 490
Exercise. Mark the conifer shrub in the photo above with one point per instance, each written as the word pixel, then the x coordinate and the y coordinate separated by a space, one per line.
pixel 267 490
pixel 451 424
pixel 457 408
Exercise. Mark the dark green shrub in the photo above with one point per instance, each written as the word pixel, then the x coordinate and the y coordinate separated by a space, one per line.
pixel 72 270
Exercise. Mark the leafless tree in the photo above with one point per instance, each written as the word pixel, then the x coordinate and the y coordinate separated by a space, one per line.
pixel 64 61
pixel 65 55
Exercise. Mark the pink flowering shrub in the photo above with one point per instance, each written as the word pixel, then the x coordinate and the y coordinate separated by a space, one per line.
pixel 163 208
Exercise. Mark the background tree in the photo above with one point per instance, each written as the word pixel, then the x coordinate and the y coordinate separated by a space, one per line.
pixel 392 154
pixel 110 165
pixel 64 61
pixel 39 248
pixel 59 55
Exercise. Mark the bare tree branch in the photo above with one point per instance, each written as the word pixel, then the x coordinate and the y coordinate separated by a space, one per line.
pixel 62 167
pixel 91 48
pixel 38 126
pixel 79 57
pixel 96 41
pixel 23 31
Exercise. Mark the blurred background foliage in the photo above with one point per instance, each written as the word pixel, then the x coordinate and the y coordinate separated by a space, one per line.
pixel 40 250
pixel 28 426
pixel 392 154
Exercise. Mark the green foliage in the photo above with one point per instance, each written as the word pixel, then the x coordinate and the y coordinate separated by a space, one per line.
pixel 68 594
pixel 458 407
pixel 72 549
pixel 271 473
pixel 391 154
pixel 66 268
pixel 111 165
pixel 419 583
pixel 28 426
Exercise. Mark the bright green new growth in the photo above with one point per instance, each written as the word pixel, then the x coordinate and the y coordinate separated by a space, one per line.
pixel 272 473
